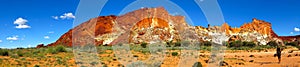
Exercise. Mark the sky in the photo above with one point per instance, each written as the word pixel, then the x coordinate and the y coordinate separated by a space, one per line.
pixel 27 23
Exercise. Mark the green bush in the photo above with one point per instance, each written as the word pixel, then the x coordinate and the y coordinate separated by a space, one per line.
pixel 51 50
pixel 4 52
pixel 273 44
pixel 60 49
pixel 249 44
pixel 197 64
pixel 177 44
pixel 36 66
pixel 56 49
pixel 235 44
pixel 14 56
pixel 20 53
pixel 144 44
pixel 291 44
pixel 174 54
pixel 207 43
pixel 169 43
pixel 298 47
pixel 207 48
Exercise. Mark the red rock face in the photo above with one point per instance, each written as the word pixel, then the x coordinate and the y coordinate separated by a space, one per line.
pixel 149 27
pixel 260 26
pixel 40 46
pixel 91 28
pixel 290 38
pixel 146 25
pixel 156 21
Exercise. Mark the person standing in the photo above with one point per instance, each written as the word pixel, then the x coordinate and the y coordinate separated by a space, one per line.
pixel 278 53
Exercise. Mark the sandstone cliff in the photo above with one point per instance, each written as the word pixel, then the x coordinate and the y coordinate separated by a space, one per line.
pixel 151 24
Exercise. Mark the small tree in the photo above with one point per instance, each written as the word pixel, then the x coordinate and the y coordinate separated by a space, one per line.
pixel 144 44
pixel 273 43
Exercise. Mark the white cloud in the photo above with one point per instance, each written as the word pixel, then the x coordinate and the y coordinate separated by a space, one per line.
pixel 296 29
pixel 21 23
pixel 68 16
pixel 13 38
pixel 0 41
pixel 22 26
pixel 55 17
pixel 292 33
pixel 64 16
pixel 46 37
pixel 51 32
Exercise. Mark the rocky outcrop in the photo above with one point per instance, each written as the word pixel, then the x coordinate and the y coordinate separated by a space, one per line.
pixel 289 38
pixel 258 31
pixel 94 27
pixel 143 25
pixel 152 24
pixel 40 46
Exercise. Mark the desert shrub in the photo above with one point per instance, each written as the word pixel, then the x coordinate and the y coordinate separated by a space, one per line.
pixel 169 43
pixel 59 61
pixel 14 56
pixel 104 48
pixel 144 44
pixel 23 59
pixel 174 53
pixel 197 64
pixel 235 44
pixel 20 48
pixel 4 52
pixel 51 50
pixel 94 63
pixel 104 65
pixel 177 44
pixel 291 44
pixel 273 44
pixel 208 48
pixel 20 53
pixel 207 43
pixel 36 66
pixel 298 47
pixel 60 49
pixel 249 44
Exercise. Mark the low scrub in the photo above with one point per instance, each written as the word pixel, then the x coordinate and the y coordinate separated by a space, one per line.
pixel 56 49
pixel 273 44
pixel 174 53
pixel 235 44
pixel 4 52
pixel 144 44
pixel 241 44
pixel 60 49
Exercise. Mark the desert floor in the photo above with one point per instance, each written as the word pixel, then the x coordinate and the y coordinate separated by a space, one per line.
pixel 232 58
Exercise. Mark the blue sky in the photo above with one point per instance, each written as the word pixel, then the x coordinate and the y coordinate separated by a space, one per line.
pixel 37 23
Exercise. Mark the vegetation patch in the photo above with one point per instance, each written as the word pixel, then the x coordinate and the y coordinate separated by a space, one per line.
pixel 4 52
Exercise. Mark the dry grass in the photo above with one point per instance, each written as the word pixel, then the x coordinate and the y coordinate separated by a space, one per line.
pixel 45 57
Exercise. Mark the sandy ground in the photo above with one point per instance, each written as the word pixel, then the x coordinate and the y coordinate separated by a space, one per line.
pixel 232 58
